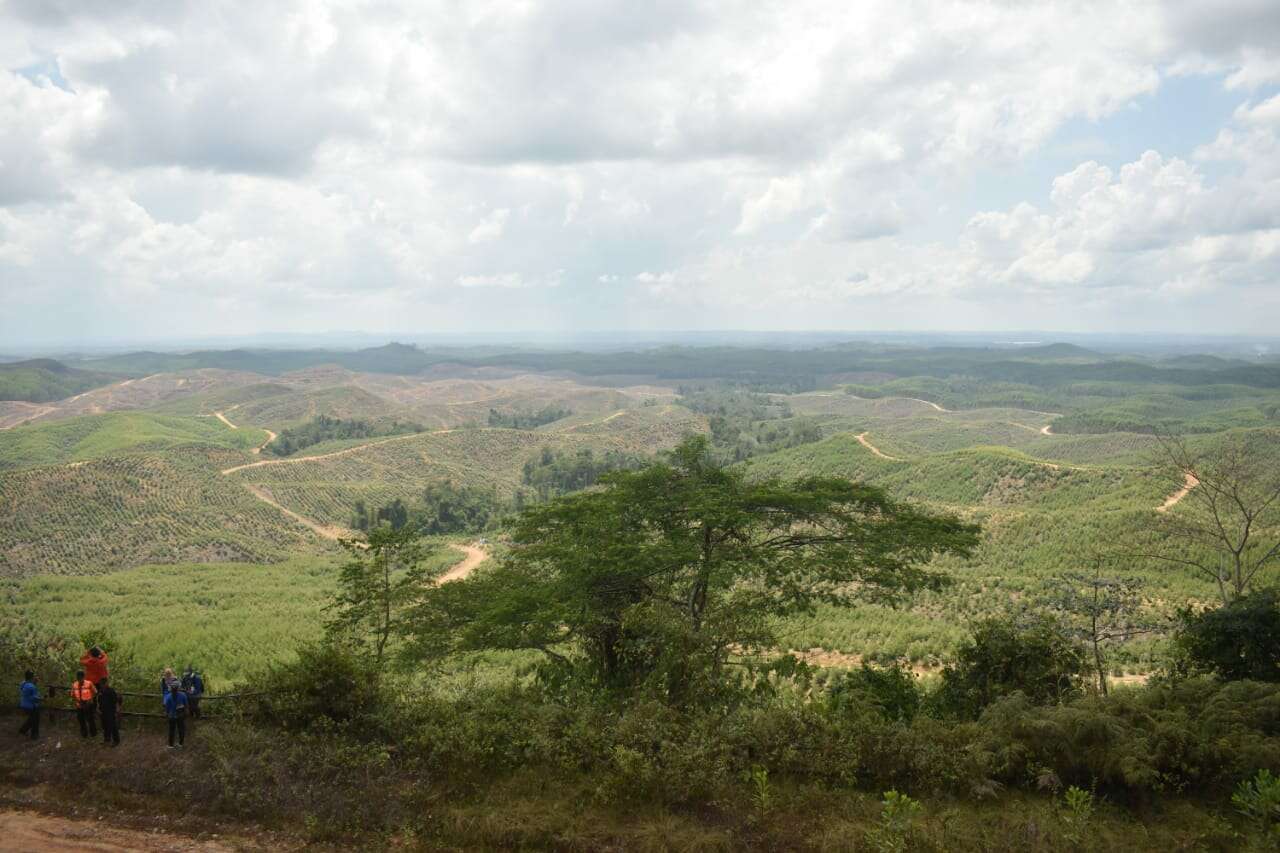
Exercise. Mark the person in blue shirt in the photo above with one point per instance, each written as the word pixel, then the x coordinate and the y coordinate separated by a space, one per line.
pixel 29 701
pixel 175 708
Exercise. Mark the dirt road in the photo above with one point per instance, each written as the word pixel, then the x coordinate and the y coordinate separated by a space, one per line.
pixel 223 418
pixel 862 439
pixel 1190 483
pixel 294 460
pixel 927 403
pixel 271 436
pixel 474 557
pixel 1047 429
pixel 328 532
pixel 30 831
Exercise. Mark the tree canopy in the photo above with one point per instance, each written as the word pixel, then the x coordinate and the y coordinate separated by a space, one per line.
pixel 661 575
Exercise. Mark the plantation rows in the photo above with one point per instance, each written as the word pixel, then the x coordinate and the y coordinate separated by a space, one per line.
pixel 126 510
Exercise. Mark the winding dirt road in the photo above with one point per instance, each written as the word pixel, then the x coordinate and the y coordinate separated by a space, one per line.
pixel 326 531
pixel 294 460
pixel 862 439
pixel 271 436
pixel 472 555
pixel 1170 502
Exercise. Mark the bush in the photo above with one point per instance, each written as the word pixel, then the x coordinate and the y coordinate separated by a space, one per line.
pixel 326 686
pixel 891 691
pixel 1240 640
pixel 1038 659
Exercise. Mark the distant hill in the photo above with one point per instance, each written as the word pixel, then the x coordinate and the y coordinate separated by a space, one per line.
pixel 43 380
pixel 392 358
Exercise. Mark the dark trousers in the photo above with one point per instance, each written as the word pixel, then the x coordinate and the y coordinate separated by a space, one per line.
pixel 31 726
pixel 193 706
pixel 177 725
pixel 88 720
pixel 111 729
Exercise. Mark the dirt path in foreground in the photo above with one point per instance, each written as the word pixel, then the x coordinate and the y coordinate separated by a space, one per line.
pixel 1190 483
pixel 31 831
pixel 862 439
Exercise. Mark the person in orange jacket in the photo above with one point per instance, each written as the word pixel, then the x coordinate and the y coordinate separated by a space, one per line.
pixel 85 695
pixel 94 663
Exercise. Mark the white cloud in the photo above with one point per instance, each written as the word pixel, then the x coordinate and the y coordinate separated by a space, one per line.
pixel 490 228
pixel 310 164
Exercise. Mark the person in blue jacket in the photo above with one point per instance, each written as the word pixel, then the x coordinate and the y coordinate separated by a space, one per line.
pixel 175 708
pixel 29 701
pixel 193 684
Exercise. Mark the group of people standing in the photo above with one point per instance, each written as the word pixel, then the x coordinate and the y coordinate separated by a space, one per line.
pixel 95 699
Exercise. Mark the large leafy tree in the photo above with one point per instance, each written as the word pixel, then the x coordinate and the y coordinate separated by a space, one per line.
pixel 664 573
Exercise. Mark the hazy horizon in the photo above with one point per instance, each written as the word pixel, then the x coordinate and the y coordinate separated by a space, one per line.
pixel 187 172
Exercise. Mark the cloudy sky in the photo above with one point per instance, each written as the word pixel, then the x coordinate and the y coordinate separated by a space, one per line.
pixel 178 168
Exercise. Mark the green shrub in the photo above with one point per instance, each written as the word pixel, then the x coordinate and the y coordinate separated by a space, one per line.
pixel 1258 799
pixel 327 685
pixel 890 690
pixel 1038 659
pixel 1238 641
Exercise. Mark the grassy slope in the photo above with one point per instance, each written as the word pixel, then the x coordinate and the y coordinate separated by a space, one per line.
pixel 228 619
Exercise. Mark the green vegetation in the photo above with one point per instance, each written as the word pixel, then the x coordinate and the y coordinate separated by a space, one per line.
pixel 114 512
pixel 556 472
pixel 657 579
pixel 442 508
pixel 745 424
pixel 43 380
pixel 324 428
pixel 230 619
pixel 1236 641
pixel 634 635
pixel 527 420
pixel 117 434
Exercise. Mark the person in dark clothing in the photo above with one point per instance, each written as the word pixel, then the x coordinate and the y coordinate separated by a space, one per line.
pixel 85 697
pixel 175 708
pixel 29 702
pixel 193 684
pixel 109 704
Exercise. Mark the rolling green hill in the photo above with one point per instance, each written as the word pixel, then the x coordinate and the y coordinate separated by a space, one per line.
pixel 45 380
